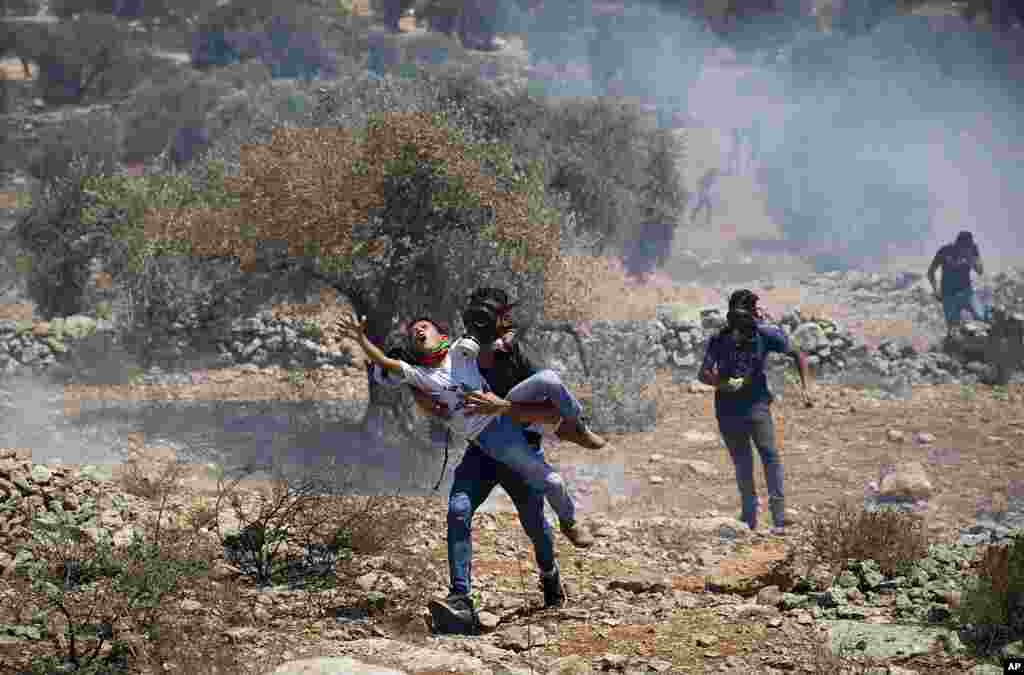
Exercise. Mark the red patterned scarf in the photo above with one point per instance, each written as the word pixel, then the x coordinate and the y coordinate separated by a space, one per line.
pixel 436 357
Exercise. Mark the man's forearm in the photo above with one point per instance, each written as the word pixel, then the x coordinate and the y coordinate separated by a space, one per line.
pixel 534 412
pixel 802 368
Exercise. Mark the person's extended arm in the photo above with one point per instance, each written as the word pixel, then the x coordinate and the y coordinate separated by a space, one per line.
pixel 805 374
pixel 978 267
pixel 356 329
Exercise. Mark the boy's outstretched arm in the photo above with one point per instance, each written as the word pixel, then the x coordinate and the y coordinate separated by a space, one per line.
pixel 354 328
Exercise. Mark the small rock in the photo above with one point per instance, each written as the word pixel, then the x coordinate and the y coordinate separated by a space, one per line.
pixel 769 595
pixel 522 638
pixel 241 634
pixel 656 458
pixel 701 468
pixel 40 475
pixel 488 621
pixel 642 584
pixel 367 581
pixel 895 436
pixel 656 480
pixel 924 438
pixel 908 481
pixel 706 640
pixel 191 605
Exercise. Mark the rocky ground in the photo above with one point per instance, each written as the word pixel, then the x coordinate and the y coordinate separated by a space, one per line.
pixel 674 584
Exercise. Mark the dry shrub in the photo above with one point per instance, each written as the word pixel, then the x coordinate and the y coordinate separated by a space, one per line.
pixel 892 539
pixel 588 288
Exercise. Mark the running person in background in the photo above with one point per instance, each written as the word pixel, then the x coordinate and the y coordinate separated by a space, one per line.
pixel 734 364
pixel 956 261
pixel 706 191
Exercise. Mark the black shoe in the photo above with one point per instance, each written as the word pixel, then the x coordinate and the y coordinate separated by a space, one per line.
pixel 554 592
pixel 454 615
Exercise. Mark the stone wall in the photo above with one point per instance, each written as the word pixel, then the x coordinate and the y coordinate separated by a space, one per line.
pixel 614 358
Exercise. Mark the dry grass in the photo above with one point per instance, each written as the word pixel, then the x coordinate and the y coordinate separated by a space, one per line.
pixel 598 288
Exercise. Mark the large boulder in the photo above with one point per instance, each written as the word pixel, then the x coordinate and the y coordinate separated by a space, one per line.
pixel 906 481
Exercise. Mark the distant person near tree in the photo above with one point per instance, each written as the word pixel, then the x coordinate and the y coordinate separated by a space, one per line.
pixel 707 189
pixel 956 261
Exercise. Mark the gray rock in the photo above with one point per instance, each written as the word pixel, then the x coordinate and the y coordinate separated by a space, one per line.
pixel 40 474
pixel 333 665
pixel 881 641
pixel 522 638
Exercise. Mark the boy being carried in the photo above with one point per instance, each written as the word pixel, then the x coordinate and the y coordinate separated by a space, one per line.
pixel 452 376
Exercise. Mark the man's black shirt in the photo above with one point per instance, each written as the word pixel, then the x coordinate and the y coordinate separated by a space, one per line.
pixel 509 369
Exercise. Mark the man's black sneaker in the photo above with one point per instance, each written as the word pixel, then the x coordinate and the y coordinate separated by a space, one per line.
pixel 454 615
pixel 554 593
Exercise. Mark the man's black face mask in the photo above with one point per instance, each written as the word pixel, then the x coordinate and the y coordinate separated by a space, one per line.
pixel 482 322
pixel 743 322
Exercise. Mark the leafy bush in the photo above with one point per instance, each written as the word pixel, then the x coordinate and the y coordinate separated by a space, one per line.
pixel 891 538
pixel 79 59
pixel 19 7
pixel 291 46
pixel 81 591
pixel 164 110
pixel 992 607
pixel 93 211
pixel 96 137
pixel 66 9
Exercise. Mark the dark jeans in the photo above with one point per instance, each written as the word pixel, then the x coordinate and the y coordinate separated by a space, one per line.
pixel 475 477
pixel 737 433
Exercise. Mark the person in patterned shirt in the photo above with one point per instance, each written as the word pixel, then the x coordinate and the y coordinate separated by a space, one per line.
pixel 956 261
pixel 734 364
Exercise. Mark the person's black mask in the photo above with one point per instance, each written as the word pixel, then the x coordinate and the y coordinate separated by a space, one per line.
pixel 481 319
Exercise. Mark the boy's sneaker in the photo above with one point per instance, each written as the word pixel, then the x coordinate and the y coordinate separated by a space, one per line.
pixel 554 593
pixel 576 431
pixel 575 533
pixel 454 615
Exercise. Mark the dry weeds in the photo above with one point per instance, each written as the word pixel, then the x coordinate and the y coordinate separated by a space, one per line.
pixel 892 539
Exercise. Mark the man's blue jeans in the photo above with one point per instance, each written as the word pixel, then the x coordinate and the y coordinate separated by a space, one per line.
pixel 954 304
pixel 504 440
pixel 475 477
pixel 737 433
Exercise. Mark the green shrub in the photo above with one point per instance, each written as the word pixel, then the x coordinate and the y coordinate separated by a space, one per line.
pixel 992 606
pixel 95 212
pixel 97 138
pixel 80 58
pixel 74 582
pixel 162 108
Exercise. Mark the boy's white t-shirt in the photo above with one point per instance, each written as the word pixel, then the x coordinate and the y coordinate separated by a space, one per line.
pixel 450 382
